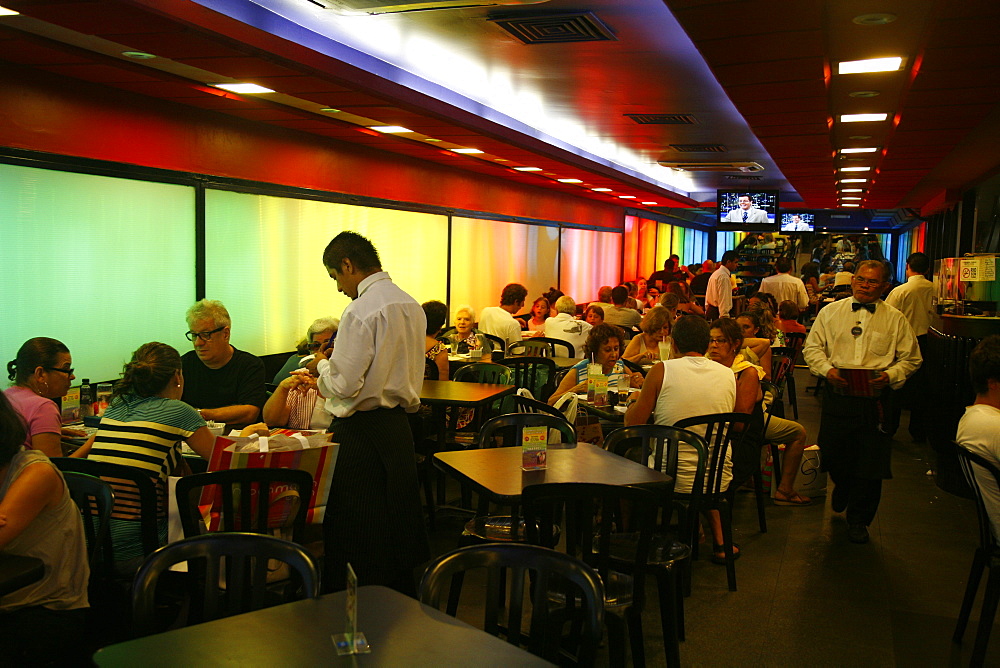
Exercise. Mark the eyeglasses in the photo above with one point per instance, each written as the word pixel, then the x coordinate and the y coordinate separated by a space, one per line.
pixel 316 345
pixel 718 341
pixel 867 282
pixel 204 336
pixel 68 372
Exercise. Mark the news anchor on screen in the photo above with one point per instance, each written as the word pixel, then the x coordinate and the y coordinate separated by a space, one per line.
pixel 796 225
pixel 746 213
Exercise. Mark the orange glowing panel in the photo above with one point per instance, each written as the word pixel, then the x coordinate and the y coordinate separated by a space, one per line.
pixel 590 259
pixel 647 248
pixel 630 261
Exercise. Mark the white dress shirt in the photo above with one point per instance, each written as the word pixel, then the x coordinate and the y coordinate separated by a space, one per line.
pixel 720 291
pixel 566 327
pixel 915 300
pixel 378 359
pixel 498 322
pixel 886 342
pixel 785 287
pixel 979 431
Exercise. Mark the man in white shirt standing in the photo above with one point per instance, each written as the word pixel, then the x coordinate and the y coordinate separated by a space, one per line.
pixel 499 320
pixel 785 287
pixel 565 326
pixel 372 379
pixel 859 333
pixel 719 293
pixel 979 428
pixel 915 300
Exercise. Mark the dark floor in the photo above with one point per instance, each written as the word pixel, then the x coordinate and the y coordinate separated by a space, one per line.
pixel 809 597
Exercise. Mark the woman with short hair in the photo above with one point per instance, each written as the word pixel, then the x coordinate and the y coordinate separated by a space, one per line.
pixel 466 337
pixel 604 345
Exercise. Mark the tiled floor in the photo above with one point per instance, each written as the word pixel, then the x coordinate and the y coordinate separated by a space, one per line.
pixel 809 597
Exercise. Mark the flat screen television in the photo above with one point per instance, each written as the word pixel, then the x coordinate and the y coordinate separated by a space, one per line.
pixel 798 221
pixel 747 210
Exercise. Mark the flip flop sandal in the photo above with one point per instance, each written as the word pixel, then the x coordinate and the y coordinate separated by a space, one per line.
pixel 794 500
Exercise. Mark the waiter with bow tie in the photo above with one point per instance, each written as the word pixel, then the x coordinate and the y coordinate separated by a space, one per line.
pixel 865 349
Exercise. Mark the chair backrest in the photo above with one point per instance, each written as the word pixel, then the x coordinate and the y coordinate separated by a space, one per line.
pixel 782 364
pixel 485 372
pixel 547 570
pixel 968 460
pixel 510 427
pixel 95 500
pixel 244 573
pixel 497 342
pixel 134 490
pixel 720 435
pixel 526 405
pixel 795 341
pixel 541 346
pixel 247 500
pixel 634 367
pixel 535 374
pixel 592 514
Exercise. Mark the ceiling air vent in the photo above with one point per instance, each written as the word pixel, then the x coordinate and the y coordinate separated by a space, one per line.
pixel 743 177
pixel 397 6
pixel 556 28
pixel 663 119
pixel 746 167
pixel 699 148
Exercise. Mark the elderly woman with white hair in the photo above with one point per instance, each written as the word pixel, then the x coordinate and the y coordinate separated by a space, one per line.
pixel 565 326
pixel 466 337
pixel 317 336
pixel 297 403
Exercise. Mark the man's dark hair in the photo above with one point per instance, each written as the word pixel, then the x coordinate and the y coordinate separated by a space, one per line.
pixel 512 294
pixel 619 295
pixel 849 266
pixel 436 313
pixel 729 256
pixel 351 245
pixel 919 262
pixel 984 363
pixel 783 265
pixel 690 335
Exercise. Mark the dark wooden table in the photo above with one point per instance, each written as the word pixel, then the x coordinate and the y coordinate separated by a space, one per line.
pixel 18 571
pixel 496 472
pixel 456 362
pixel 400 632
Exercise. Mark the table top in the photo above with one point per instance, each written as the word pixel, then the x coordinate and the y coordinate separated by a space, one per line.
pixel 497 472
pixel 400 631
pixel 458 361
pixel 18 571
pixel 453 393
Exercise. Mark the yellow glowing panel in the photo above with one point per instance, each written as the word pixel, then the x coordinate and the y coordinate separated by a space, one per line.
pixel 664 243
pixel 264 260
pixel 486 255
pixel 590 259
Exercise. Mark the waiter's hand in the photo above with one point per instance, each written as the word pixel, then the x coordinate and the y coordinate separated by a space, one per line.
pixel 314 362
pixel 833 375
pixel 880 381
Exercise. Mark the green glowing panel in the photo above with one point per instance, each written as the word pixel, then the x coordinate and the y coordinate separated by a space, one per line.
pixel 102 264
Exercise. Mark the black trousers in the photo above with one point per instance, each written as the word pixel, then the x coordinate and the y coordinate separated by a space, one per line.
pixel 914 395
pixel 711 312
pixel 862 495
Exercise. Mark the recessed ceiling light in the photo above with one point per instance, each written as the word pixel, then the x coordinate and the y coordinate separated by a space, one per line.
pixel 861 118
pixel 649 203
pixel 850 198
pixel 136 55
pixel 875 19
pixel 860 137
pixel 242 88
pixel 389 129
pixel 858 150
pixel 330 110
pixel 846 205
pixel 8 12
pixel 866 229
pixel 864 93
pixel 855 169
pixel 869 65
pixel 854 180
pixel 569 180
pixel 626 197
pixel 500 160
pixel 431 139
pixel 853 190
pixel 601 190
pixel 466 150
pixel 527 169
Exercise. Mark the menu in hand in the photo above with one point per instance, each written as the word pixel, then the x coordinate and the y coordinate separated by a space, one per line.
pixel 859 382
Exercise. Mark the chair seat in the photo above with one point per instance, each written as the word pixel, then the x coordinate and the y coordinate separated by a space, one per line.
pixel 617 591
pixel 663 549
pixel 497 529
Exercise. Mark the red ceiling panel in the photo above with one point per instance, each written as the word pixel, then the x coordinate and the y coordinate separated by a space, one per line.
pixel 747 73
pixel 792 130
pixel 100 17
pixel 179 43
pixel 790 116
pixel 100 73
pixel 239 68
pixel 782 90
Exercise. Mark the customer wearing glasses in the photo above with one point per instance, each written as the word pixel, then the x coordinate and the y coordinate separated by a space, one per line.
pixel 225 384
pixel 317 336
pixel 865 349
pixel 42 372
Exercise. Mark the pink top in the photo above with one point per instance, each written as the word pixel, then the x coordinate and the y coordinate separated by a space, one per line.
pixel 40 414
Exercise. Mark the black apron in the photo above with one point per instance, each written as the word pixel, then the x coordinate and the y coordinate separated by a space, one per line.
pixel 849 439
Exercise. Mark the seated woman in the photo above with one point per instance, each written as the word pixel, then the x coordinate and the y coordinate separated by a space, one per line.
pixel 810 278
pixel 143 429
pixel 604 345
pixel 465 338
pixel 317 336
pixel 42 372
pixel 652 296
pixel 757 338
pixel 540 311
pixel 655 329
pixel 594 315
pixel 435 352
pixel 763 300
pixel 43 623
pixel 685 300
pixel 788 318
pixel 640 290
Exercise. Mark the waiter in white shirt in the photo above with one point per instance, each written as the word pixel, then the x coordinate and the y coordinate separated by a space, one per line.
pixel 373 376
pixel 859 333
pixel 915 300
pixel 719 293
pixel 745 212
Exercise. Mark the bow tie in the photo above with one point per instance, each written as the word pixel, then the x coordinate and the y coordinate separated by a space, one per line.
pixel 858 305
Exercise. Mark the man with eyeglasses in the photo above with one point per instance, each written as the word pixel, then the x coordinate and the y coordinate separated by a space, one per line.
pixel 225 384
pixel 865 349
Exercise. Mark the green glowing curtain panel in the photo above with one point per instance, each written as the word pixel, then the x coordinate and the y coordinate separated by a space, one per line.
pixel 102 264
pixel 264 260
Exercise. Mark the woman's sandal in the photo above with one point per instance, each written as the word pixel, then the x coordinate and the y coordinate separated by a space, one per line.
pixel 795 499
pixel 719 553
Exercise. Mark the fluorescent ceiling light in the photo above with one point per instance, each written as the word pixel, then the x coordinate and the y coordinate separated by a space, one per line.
pixel 854 180
pixel 601 190
pixel 330 110
pixel 858 150
pixel 8 12
pixel 389 129
pixel 855 169
pixel 626 197
pixel 466 150
pixel 846 205
pixel 243 88
pixel 569 180
pixel 861 118
pixel 847 198
pixel 853 190
pixel 431 139
pixel 527 169
pixel 649 203
pixel 871 65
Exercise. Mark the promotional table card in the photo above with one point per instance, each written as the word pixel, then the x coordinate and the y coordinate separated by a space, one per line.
pixel 534 442
pixel 601 390
pixel 71 405
pixel 353 641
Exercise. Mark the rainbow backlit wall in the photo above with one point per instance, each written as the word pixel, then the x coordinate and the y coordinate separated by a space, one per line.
pixel 649 243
